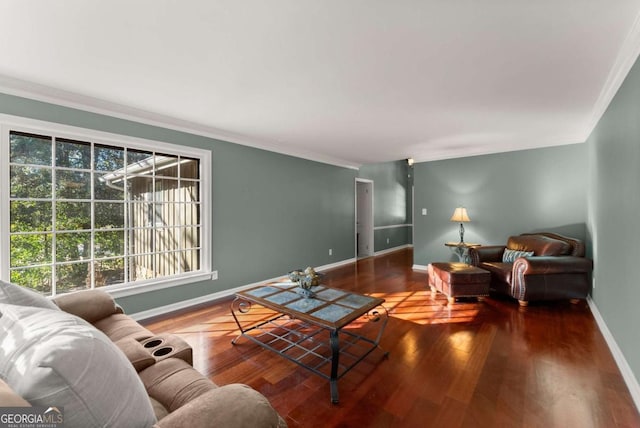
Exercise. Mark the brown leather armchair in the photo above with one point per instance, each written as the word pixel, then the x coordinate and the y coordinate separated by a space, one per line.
pixel 556 270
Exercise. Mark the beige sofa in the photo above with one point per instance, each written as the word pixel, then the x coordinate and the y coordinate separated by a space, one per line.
pixel 85 355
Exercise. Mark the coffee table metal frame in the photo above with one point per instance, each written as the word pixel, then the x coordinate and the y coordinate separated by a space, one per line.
pixel 299 335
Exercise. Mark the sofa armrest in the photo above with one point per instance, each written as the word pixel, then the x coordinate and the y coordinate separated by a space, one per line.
pixel 489 253
pixel 550 265
pixel 233 405
pixel 9 398
pixel 90 305
pixel 136 353
pixel 551 278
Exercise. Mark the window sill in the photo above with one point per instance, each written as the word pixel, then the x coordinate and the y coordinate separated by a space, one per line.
pixel 123 290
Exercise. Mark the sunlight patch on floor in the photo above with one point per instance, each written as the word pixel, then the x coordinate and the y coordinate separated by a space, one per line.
pixel 421 307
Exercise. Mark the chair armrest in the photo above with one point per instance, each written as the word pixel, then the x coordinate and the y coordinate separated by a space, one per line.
pixel 233 405
pixel 90 305
pixel 550 265
pixel 488 253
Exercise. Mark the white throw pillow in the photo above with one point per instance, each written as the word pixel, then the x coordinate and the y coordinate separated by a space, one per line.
pixel 52 358
pixel 17 295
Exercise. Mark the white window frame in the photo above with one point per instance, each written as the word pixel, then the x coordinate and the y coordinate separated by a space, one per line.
pixel 15 123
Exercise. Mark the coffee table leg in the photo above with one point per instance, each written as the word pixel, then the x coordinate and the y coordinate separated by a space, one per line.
pixel 242 306
pixel 335 357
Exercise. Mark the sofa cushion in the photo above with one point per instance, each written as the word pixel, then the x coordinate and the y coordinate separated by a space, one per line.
pixel 540 245
pixel 22 296
pixel 52 358
pixel 499 271
pixel 234 405
pixel 159 410
pixel 173 383
pixel 510 256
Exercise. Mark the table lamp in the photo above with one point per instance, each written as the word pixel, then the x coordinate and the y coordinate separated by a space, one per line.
pixel 460 215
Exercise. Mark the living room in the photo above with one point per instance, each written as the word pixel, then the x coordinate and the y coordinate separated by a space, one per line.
pixel 273 211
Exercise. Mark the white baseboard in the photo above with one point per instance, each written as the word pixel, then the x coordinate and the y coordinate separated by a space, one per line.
pixel 336 264
pixel 419 268
pixel 392 250
pixel 618 356
pixel 162 310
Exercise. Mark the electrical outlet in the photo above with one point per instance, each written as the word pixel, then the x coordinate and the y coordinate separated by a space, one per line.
pixel 387 240
pixel 424 211
pixel 214 275
pixel 330 251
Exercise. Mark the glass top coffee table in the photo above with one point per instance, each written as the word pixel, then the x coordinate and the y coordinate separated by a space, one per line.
pixel 328 334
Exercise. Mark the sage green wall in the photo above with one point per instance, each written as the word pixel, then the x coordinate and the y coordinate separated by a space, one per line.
pixel 271 212
pixel 614 204
pixel 505 194
pixel 397 236
pixel 391 202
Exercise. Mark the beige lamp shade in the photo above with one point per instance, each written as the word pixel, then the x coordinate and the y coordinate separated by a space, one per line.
pixel 460 215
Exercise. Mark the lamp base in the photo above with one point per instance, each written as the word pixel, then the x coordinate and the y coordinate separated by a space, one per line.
pixel 461 233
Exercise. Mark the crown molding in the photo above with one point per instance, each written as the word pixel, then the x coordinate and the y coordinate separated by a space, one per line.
pixel 48 94
pixel 625 60
pixel 482 151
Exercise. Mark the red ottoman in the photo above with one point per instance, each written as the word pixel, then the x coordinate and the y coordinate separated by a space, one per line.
pixel 458 280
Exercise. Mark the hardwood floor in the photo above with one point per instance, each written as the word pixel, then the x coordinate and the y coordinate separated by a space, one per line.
pixel 475 364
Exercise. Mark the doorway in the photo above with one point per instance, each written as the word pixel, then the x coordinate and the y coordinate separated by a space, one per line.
pixel 364 218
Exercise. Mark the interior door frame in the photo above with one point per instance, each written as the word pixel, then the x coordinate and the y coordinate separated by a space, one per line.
pixel 368 207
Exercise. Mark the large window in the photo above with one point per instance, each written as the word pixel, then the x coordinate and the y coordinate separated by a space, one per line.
pixel 85 213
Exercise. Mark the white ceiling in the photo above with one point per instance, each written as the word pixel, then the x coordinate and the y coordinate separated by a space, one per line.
pixel 341 81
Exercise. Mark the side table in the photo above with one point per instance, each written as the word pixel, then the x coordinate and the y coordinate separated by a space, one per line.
pixel 461 249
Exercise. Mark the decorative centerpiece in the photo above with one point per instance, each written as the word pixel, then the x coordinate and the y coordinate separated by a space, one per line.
pixel 305 279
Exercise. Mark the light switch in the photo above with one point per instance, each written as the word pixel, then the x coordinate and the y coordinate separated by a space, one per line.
pixel 424 211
